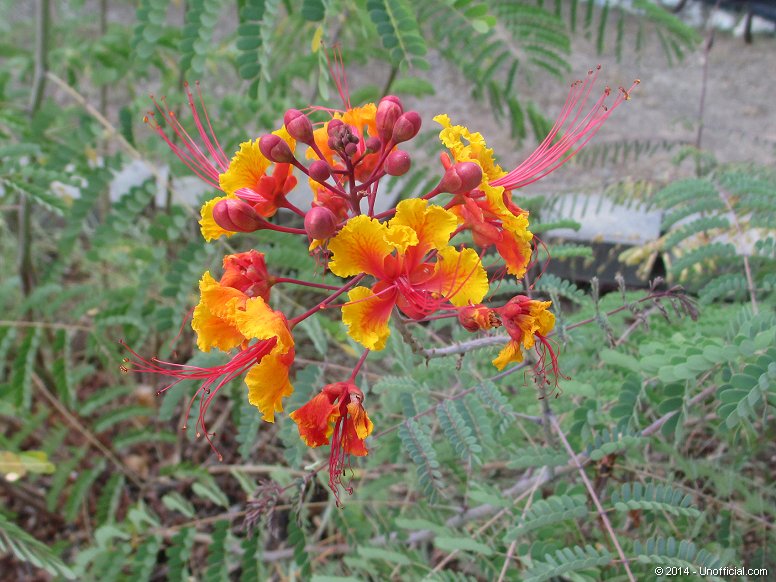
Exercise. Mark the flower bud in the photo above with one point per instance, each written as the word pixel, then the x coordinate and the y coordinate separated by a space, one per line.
pixel 351 149
pixel 333 126
pixel 319 171
pixel 236 215
pixel 373 144
pixel 460 178
pixel 275 149
pixel 298 126
pixel 397 163
pixel 476 317
pixel 320 222
pixel 406 127
pixel 388 111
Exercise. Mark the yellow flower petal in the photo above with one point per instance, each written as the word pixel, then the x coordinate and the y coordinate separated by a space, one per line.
pixel 509 354
pixel 459 276
pixel 360 247
pixel 268 384
pixel 210 230
pixel 401 237
pixel 259 321
pixel 367 315
pixel 432 224
pixel 246 168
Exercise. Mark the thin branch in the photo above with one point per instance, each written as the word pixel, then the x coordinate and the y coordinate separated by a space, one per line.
pixel 594 497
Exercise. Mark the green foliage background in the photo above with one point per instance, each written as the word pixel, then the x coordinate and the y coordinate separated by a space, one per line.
pixel 668 410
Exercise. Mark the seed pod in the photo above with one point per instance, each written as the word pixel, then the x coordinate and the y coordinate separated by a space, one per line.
pixel 397 163
pixel 298 126
pixel 236 215
pixel 460 178
pixel 320 222
pixel 275 149
pixel 406 127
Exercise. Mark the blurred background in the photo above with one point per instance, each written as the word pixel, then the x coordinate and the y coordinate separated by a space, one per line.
pixel 661 238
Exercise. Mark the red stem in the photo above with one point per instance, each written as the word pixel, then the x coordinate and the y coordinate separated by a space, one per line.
pixel 305 283
pixel 322 305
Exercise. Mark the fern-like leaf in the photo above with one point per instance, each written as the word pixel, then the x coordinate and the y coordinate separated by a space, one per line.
pixel 26 548
pixel 417 443
pixel 547 511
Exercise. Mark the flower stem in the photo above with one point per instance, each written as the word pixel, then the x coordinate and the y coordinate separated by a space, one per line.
pixel 323 304
pixel 305 283
pixel 358 366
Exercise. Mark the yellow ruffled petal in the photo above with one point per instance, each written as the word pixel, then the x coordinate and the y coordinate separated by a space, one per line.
pixel 246 168
pixel 360 247
pixel 515 251
pixel 207 225
pixel 401 237
pixel 509 354
pixel 432 224
pixel 475 150
pixel 212 316
pixel 459 276
pixel 361 117
pixel 259 321
pixel 367 316
pixel 268 384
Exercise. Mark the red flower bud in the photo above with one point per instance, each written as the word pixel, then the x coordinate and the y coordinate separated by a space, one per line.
pixel 275 149
pixel 319 171
pixel 236 215
pixel 397 163
pixel 298 126
pixel 320 222
pixel 406 127
pixel 373 144
pixel 351 149
pixel 333 126
pixel 388 111
pixel 476 317
pixel 460 178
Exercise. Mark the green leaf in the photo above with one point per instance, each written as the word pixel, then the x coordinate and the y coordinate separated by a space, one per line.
pixel 449 544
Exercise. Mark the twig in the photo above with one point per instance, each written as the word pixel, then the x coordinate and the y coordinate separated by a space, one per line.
pixel 593 496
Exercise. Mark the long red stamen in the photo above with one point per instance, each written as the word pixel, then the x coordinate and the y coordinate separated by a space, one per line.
pixel 550 156
pixel 214 378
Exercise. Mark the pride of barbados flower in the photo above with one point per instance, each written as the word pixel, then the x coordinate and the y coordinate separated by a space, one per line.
pixel 415 267
pixel 337 417
pixel 405 262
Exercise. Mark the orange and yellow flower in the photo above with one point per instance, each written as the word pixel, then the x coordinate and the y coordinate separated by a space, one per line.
pixel 526 321
pixel 247 178
pixel 335 416
pixel 488 211
pixel 415 268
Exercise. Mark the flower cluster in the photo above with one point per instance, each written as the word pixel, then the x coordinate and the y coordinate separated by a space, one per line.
pixel 404 262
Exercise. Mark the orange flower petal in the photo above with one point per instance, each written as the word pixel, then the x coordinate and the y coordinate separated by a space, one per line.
pixel 357 428
pixel 268 383
pixel 258 320
pixel 515 251
pixel 315 420
pixel 212 320
pixel 367 315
